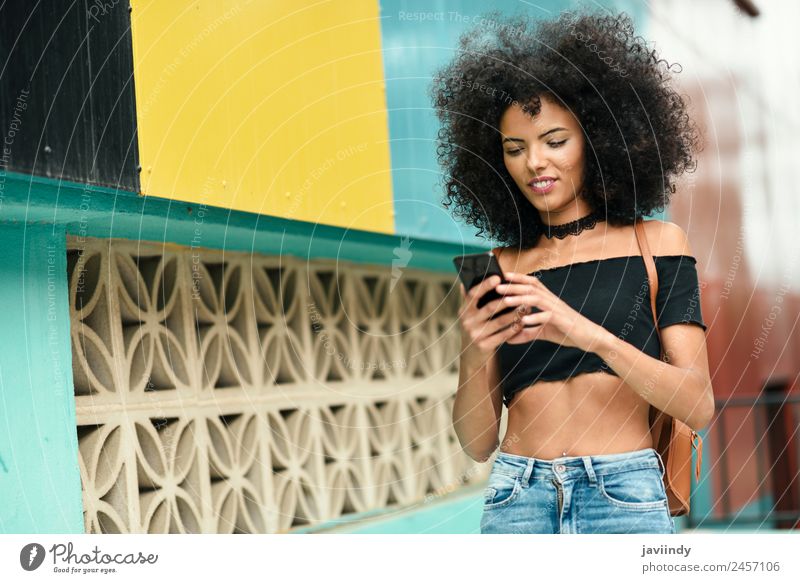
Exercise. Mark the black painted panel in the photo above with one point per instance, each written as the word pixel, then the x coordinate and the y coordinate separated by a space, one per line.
pixel 67 106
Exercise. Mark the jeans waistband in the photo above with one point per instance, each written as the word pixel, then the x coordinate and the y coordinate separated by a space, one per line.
pixel 574 467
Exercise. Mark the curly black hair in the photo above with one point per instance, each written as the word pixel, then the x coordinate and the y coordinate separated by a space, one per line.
pixel 638 134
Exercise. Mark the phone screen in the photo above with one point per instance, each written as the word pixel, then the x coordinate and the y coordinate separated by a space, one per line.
pixel 473 268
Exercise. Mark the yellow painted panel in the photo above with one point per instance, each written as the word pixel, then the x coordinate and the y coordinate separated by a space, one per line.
pixel 265 106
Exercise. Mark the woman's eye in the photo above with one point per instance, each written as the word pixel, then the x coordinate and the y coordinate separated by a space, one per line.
pixel 551 144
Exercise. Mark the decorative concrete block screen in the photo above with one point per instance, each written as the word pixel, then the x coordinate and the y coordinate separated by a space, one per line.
pixel 226 392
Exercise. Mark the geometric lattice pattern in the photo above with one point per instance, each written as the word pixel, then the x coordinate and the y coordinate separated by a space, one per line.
pixel 227 392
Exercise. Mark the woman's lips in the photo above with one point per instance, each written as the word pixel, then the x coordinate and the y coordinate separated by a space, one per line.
pixel 542 186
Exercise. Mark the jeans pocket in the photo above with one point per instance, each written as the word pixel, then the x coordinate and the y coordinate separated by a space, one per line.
pixel 640 489
pixel 501 490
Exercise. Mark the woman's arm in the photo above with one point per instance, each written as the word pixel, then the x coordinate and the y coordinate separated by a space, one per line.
pixel 478 407
pixel 479 399
pixel 682 387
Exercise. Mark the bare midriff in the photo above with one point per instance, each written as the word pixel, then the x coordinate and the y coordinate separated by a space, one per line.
pixel 592 413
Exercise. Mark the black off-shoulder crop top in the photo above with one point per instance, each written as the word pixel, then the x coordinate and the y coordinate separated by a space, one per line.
pixel 615 293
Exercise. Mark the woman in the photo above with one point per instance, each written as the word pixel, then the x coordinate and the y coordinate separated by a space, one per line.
pixel 557 136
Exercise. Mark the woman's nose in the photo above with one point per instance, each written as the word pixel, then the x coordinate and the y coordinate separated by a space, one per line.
pixel 536 161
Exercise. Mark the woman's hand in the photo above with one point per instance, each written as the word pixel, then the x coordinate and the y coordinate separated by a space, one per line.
pixel 557 321
pixel 480 334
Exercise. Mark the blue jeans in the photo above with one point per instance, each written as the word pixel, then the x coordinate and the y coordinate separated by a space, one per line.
pixel 600 494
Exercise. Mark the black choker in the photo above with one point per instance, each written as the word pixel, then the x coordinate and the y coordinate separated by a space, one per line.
pixel 571 228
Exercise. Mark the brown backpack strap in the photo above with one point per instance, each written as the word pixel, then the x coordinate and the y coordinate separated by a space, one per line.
pixel 650 266
pixel 672 439
pixel 657 418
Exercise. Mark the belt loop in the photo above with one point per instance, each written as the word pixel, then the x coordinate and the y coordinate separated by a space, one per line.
pixel 526 475
pixel 660 463
pixel 587 463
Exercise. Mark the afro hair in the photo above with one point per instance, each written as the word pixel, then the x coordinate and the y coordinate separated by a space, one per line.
pixel 638 134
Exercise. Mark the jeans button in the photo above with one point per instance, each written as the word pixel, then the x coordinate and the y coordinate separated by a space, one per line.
pixel 560 468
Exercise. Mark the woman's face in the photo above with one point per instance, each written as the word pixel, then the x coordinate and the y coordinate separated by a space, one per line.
pixel 544 156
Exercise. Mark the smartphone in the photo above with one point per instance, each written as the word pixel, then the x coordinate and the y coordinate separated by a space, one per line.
pixel 473 268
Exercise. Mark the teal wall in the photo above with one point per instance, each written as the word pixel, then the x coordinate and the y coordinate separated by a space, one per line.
pixel 95 211
pixel 455 513
pixel 40 485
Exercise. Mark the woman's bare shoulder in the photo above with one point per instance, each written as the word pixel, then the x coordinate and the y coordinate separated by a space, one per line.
pixel 666 238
